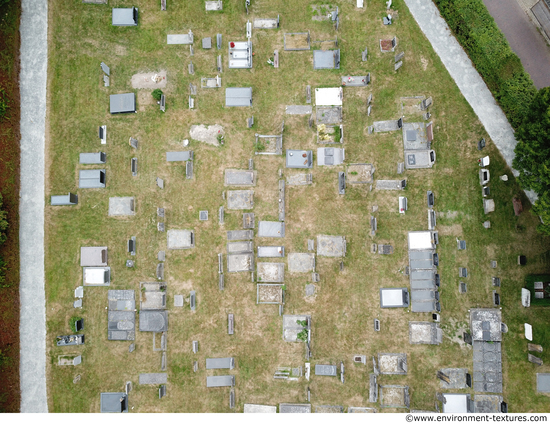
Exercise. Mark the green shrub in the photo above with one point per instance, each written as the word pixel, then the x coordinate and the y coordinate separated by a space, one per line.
pixel 488 49
pixel 157 93
pixel 3 99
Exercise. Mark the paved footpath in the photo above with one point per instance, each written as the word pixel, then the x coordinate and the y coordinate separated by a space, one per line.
pixel 468 80
pixel 32 327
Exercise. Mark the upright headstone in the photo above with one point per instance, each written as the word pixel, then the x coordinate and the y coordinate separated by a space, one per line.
pixel 133 142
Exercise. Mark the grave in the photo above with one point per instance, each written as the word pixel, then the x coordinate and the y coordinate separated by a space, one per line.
pixel 484 176
pixel 113 402
pixel 203 215
pixel 211 82
pixel 105 68
pixel 239 247
pixel 299 179
pixel 341 183
pixel 270 272
pixel 326 370
pixel 281 200
pixel 332 246
pixel 240 55
pixel 291 327
pixel 238 96
pixel 153 321
pixel 271 251
pixel 180 156
pixel 160 226
pixel 207 43
pixel 236 177
pixel 488 206
pixel 125 16
pixel 299 159
pixel 543 382
pixel 178 300
pixel 230 324
pixel 462 272
pixel 152 296
pixel 69 360
pixel 456 403
pixel 103 134
pixel 240 262
pixel 394 396
pixel 193 300
pixel 96 276
pixel 121 206
pixel 240 199
pixel 457 378
pixel 240 235
pixel 326 59
pixel 93 256
pixel 132 246
pixel 424 333
pixel 386 126
pixel 133 167
pixel 270 294
pixel 394 298
pixel 487 404
pixel 330 116
pixel 254 408
pixel 271 229
pixel 388 45
pixel 121 315
pixel 153 378
pixel 329 409
pixel 219 41
pixel 72 340
pixel 122 103
pixel 297 41
pixel 91 178
pixel 298 110
pixel 181 239
pixel 356 81
pixel 461 244
pixel 301 262
pixel 180 38
pixel 534 359
pixel 360 173
pixel 92 158
pixel 64 200
pixel 360 409
pixel 132 142
pixel 392 363
pixel 295 408
pixel 330 156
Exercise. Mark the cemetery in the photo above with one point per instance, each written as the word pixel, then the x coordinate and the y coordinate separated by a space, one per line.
pixel 205 219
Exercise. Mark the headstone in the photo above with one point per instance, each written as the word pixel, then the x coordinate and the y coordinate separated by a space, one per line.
pixel 462 287
pixel 400 167
pixel 250 122
pixel 106 82
pixel 232 398
pixel 496 281
pixel 370 129
pixel 192 89
pixel 529 332
pixel 131 348
pixel 230 324
pixel 162 391
pixel 311 244
pixel 77 303
pixel 376 324
pixel 133 167
pixel 534 347
pixel 481 144
pixel 220 263
pixel 315 277
pixel 369 108
pixel 219 41
pixel 398 65
pixel 189 170
pixel 132 246
pixel 160 182
pixel 522 260
pixel 191 50
pixel 221 215
pixel 105 68
pixel 221 282
pixel 178 300
pixel 251 163
pixel 129 263
pixel 195 366
pixel 133 142
pixel 192 300
pixel 461 244
pixel 160 212
pixel 163 362
pixel 276 59
pixel 443 377
pixel 162 4
pixel 534 359
pixel 128 387
pixel 399 56
pixel 427 116
pixel 487 224
pixel 496 298
pixel 364 54
pixel 400 123
pixel 308 94
pixel 203 215
pixel 467 337
pixel 462 272
pixel 191 68
pixel 195 346
pixel 160 271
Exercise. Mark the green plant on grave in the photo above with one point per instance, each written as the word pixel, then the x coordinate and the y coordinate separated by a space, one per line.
pixel 337 135
pixel 302 336
pixel 283 287
pixel 353 172
pixel 157 94
pixel 72 323
pixel 303 323
pixel 260 146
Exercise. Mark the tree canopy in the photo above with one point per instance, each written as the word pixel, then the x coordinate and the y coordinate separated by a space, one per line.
pixel 533 155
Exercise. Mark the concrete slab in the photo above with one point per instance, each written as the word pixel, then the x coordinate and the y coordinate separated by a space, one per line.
pixel 301 262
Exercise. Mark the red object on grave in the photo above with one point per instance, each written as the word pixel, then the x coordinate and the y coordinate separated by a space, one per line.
pixel 232 44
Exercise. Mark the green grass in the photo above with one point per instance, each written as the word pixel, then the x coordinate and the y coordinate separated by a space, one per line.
pixel 346 302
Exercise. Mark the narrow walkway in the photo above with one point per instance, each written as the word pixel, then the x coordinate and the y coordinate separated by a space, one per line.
pixel 524 38
pixel 468 80
pixel 32 327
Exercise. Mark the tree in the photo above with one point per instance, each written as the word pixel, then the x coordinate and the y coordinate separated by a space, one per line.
pixel 533 155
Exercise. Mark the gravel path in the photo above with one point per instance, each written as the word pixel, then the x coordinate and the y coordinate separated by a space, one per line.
pixel 32 327
pixel 468 80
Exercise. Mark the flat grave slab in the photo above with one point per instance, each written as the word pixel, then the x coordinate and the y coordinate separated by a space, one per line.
pixel 255 409
pixel 299 179
pixel 360 173
pixel 270 272
pixel 240 247
pixel 113 402
pixel 240 235
pixel 266 23
pixel 178 300
pixel 329 370
pixel 389 184
pixel 487 373
pixel 457 377
pixel 333 246
pixel 487 404
pixel 96 276
pixel 301 262
pixel 153 321
pixel 271 229
pixel 121 206
pixel 394 396
pixel 329 409
pixel 153 378
pixel 153 296
pixel 220 363
pixel 295 408
pixel 269 293
pixel 330 156
pixel 543 382
pixel 149 80
pixel 360 409
pixel 415 136
pixel 180 156
pixel 291 327
pixel 486 324
pixel 326 59
pixel 213 5
pixel 180 38
pixel 392 363
pixel 424 333
pixel 181 239
pixel 236 177
pixel 240 262
pixel 385 126
pixel 299 110
pixel 271 251
pixel 240 199
pixel 207 133
pixel 328 115
pixel 93 256
pixel 220 381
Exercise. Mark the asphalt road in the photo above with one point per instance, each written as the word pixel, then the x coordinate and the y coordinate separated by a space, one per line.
pixel 524 39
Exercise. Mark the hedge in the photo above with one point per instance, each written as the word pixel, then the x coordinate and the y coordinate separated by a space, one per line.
pixel 491 54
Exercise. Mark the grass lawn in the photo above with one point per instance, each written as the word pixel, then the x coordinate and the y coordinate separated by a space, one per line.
pixel 346 303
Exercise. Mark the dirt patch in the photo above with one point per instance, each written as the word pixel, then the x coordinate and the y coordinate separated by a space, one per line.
pixel 150 80
pixel 120 50
pixel 360 173
pixel 271 294
pixel 206 133
pixel 424 63
pixel 145 99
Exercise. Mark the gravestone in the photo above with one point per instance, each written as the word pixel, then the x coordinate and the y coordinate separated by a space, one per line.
pixel 221 215
pixel 189 170
pixel 160 271
pixel 129 263
pixel 163 5
pixel 162 103
pixel 192 300
pixel 369 108
pixel 376 324
pixel 399 56
pixel 424 104
pixel 203 215
pixel 133 142
pixel 132 246
pixel 364 54
pixel 308 94
pixel 160 183
pixel 232 398
pixel 221 282
pixel 534 360
pixel 195 366
pixel 230 324
pixel 251 162
pixel 219 41
pixel 315 277
pixel 400 167
pixel 178 300
pixel 461 244
pixel 195 346
pixel 427 116
pixel 496 298
pixel 131 348
pixel 160 212
pixel 534 347
pixel 496 281
pixel 462 272
pixel 311 244
pixel 481 144
pixel 191 68
pixel 192 89
pixel 220 263
pixel 219 63
pixel 133 167
pixel 250 122
pixel 467 337
pixel 106 81
pixel 162 391
pixel 370 129
pixel 487 224
pixel 398 65
pixel 191 50
pixel 462 287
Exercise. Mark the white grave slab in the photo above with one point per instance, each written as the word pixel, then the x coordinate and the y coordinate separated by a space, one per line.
pixel 529 332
